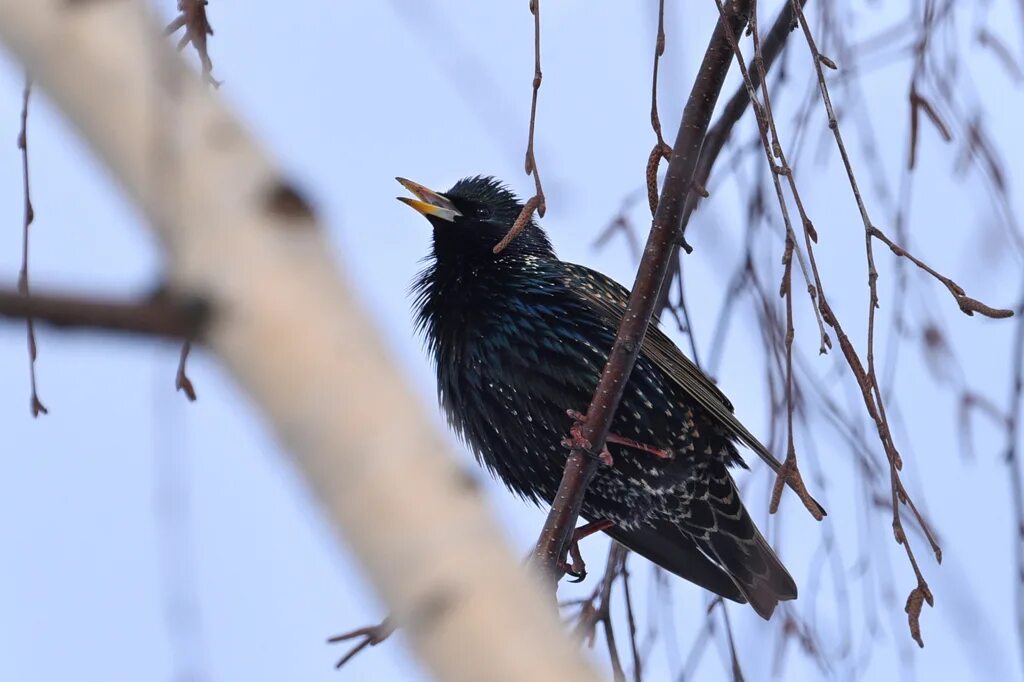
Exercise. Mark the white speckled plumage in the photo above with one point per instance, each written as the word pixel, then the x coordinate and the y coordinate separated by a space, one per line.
pixel 519 338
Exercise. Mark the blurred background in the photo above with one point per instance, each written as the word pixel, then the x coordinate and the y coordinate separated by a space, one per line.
pixel 144 537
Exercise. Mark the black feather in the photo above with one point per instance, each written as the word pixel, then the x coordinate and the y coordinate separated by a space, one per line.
pixel 520 337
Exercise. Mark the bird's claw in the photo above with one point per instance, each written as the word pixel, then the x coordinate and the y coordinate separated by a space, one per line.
pixel 576 439
pixel 576 568
pixel 578 574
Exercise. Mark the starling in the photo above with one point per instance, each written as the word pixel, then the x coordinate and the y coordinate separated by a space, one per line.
pixel 519 340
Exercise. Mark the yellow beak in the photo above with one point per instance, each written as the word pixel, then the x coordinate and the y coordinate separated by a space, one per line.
pixel 429 202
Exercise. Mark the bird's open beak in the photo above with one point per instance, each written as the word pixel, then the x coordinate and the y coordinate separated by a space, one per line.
pixel 429 202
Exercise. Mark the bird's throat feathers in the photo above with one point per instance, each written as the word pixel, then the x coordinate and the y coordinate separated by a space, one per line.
pixel 459 290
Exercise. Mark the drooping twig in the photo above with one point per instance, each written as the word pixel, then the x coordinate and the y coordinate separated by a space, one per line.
pixel 661 149
pixel 536 203
pixel 789 473
pixel 35 404
pixel 866 377
pixel 181 381
pixel 580 467
pixel 192 18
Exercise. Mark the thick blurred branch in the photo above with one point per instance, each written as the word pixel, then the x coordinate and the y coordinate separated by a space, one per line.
pixel 283 321
pixel 157 316
pixel 665 234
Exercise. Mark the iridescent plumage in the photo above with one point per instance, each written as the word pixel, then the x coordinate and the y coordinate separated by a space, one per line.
pixel 520 337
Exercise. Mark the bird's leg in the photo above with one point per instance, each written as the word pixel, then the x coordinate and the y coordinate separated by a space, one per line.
pixel 576 439
pixel 660 453
pixel 605 456
pixel 576 567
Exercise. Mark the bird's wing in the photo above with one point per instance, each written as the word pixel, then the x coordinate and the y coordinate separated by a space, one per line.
pixel 609 299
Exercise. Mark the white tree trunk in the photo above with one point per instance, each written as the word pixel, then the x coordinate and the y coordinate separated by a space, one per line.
pixel 294 336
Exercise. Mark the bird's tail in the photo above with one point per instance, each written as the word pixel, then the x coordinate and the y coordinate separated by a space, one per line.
pixel 725 532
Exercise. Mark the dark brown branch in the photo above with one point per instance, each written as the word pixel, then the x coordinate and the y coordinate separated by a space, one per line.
pixel 665 233
pixel 157 316
pixel 35 404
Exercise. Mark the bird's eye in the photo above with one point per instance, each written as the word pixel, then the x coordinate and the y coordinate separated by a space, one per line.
pixel 482 212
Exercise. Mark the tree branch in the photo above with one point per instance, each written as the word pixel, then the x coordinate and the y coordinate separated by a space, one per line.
pixel 665 234
pixel 297 339
pixel 157 316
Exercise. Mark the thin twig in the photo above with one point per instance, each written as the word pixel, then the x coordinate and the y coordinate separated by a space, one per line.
pixel 661 149
pixel 866 378
pixel 367 636
pixel 597 611
pixel 967 304
pixel 192 17
pixel 1014 410
pixel 35 404
pixel 737 672
pixel 631 621
pixel 181 380
pixel 789 473
pixel 537 202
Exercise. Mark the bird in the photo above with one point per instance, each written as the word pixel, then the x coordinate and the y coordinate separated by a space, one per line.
pixel 518 340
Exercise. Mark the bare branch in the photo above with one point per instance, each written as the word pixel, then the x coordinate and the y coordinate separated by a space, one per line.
pixel 158 316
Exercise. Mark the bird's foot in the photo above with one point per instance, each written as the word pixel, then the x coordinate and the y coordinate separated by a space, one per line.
pixel 576 567
pixel 576 439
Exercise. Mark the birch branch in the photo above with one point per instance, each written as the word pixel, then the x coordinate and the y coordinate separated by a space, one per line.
pixel 281 318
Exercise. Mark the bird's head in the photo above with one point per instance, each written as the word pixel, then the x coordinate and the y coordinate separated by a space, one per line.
pixel 473 216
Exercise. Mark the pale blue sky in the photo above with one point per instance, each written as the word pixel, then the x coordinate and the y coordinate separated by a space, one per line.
pixel 347 95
